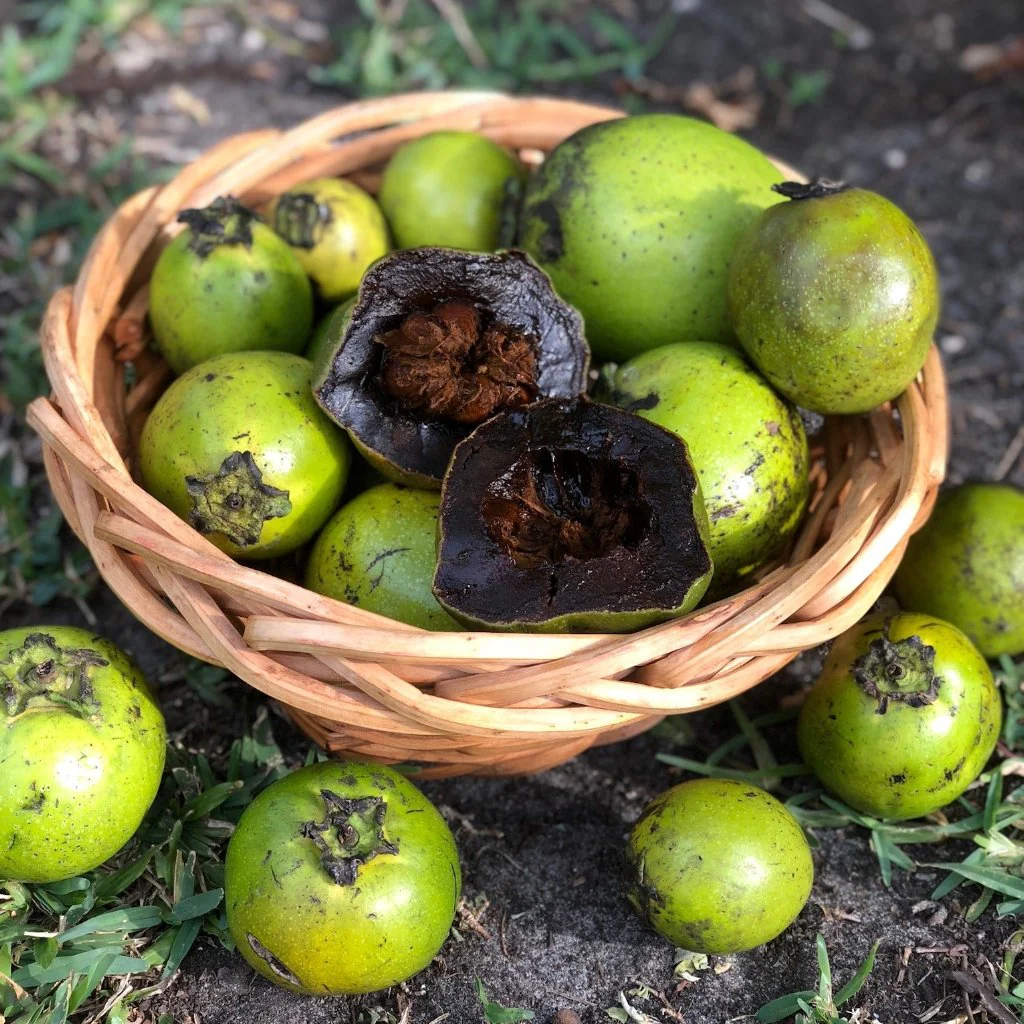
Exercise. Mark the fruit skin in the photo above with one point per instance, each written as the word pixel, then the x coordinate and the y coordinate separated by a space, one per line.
pixel 336 231
pixel 718 866
pixel 393 912
pixel 238 296
pixel 377 552
pixel 401 444
pixel 245 425
pixel 635 221
pixel 835 299
pixel 447 189
pixel 913 757
pixel 330 327
pixel 82 750
pixel 966 565
pixel 747 444
pixel 646 575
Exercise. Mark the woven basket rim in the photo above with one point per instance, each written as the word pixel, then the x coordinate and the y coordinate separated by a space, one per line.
pixel 361 682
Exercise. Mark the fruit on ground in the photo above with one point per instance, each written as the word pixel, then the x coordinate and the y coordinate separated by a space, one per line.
pixel 966 565
pixel 82 745
pixel 447 189
pixel 439 341
pixel 336 231
pixel 570 516
pixel 227 283
pixel 378 552
pixel 903 717
pixel 747 444
pixel 834 295
pixel 238 448
pixel 341 878
pixel 635 221
pixel 718 866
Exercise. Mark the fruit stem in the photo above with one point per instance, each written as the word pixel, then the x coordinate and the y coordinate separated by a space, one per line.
pixel 224 222
pixel 898 670
pixel 820 188
pixel 41 675
pixel 351 834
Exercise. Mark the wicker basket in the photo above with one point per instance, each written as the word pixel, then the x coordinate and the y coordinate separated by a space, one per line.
pixel 363 685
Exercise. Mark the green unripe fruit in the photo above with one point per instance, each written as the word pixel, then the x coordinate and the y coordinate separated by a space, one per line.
pixel 747 444
pixel 82 745
pixel 238 448
pixel 966 565
pixel 903 717
pixel 227 283
pixel 378 552
pixel 447 189
pixel 834 296
pixel 718 866
pixel 336 231
pixel 635 221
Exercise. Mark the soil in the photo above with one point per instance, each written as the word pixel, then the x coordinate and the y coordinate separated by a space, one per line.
pixel 542 855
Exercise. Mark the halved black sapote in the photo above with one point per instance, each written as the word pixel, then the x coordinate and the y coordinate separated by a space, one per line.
pixel 439 341
pixel 570 516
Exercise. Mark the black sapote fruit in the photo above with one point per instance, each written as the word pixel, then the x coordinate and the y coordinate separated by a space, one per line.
pixel 439 341
pixel 570 516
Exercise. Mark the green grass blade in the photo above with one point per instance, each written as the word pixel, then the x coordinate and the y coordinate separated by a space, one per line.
pixel 856 983
pixel 782 1008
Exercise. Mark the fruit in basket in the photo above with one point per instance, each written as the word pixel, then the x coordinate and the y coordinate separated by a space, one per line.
pixel 238 448
pixel 440 340
pixel 718 866
pixel 447 189
pixel 330 327
pixel 635 220
pixel 834 295
pixel 82 745
pixel 378 552
pixel 335 229
pixel 747 443
pixel 966 565
pixel 341 878
pixel 571 516
pixel 902 718
pixel 227 283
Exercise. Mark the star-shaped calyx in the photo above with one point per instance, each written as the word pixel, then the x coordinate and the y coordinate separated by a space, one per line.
pixel 42 674
pixel 351 834
pixel 235 501
pixel 898 670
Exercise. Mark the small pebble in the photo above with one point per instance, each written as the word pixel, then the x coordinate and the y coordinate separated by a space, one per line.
pixel 565 1017
pixel 978 172
pixel 951 344
pixel 895 159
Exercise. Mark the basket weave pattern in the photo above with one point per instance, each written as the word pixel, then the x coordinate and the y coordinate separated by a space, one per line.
pixel 365 686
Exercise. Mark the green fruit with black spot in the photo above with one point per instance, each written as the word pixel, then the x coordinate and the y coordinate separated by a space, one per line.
pixel 82 745
pixel 902 718
pixel 966 565
pixel 227 283
pixel 635 221
pixel 336 231
pixel 718 866
pixel 341 878
pixel 834 295
pixel 378 552
pixel 238 448
pixel 747 444
pixel 447 189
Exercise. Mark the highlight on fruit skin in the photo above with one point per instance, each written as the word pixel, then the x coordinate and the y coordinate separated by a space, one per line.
pixel 439 340
pixel 227 283
pixel 336 231
pixel 571 516
pixel 834 295
pixel 966 565
pixel 903 717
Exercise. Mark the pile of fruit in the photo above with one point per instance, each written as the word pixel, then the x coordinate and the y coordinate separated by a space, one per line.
pixel 506 482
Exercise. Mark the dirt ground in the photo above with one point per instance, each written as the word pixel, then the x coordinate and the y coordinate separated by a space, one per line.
pixel 542 855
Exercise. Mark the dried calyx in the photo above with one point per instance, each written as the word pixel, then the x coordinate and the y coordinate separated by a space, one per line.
pixel 817 189
pixel 42 674
pixel 224 222
pixel 439 341
pixel 300 218
pixel 558 504
pixel 898 670
pixel 455 362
